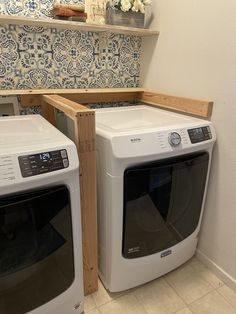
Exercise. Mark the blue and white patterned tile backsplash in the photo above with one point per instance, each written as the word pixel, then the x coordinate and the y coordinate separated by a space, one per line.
pixel 35 57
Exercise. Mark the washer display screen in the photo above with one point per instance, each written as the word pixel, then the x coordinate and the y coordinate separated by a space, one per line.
pixel 200 134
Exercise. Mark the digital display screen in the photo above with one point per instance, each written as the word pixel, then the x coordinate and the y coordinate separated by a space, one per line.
pixel 199 132
pixel 32 165
pixel 45 157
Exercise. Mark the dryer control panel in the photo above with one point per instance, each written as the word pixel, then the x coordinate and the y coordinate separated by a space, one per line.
pixel 32 165
pixel 200 134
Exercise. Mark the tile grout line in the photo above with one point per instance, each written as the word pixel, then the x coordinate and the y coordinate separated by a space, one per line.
pixel 145 312
pixel 186 307
pixel 215 289
pixel 106 291
pixel 175 291
pixel 224 297
pixel 187 304
pixel 128 293
pixel 195 299
pixel 99 310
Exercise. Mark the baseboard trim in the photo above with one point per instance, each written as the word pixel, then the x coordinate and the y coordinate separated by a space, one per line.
pixel 219 272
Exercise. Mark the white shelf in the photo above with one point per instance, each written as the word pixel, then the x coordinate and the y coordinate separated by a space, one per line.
pixel 83 27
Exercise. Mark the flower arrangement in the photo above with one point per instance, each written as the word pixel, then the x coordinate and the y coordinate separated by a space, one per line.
pixel 130 5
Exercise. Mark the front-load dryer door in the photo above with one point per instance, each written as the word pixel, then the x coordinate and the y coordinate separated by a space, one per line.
pixel 162 203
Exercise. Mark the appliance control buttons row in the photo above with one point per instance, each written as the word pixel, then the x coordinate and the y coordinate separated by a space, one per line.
pixel 37 164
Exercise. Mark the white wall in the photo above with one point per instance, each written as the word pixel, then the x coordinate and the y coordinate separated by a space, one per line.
pixel 195 56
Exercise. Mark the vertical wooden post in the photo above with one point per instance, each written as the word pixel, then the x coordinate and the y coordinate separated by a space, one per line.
pixel 48 112
pixel 85 141
pixel 84 128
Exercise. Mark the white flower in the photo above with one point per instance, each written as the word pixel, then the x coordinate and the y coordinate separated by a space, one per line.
pixel 125 5
pixel 147 2
pixel 138 6
pixel 135 6
pixel 141 8
pixel 114 2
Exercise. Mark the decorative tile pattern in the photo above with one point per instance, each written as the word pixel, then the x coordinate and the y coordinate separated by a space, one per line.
pixel 31 8
pixel 36 57
pixel 8 52
pixel 73 52
pixel 31 110
pixel 112 104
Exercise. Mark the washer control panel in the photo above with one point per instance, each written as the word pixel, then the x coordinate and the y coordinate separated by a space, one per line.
pixel 200 134
pixel 32 165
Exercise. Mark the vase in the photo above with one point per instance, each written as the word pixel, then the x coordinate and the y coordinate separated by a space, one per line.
pixel 129 18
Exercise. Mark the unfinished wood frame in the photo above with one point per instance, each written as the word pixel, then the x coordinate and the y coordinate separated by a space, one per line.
pixel 84 126
pixel 199 108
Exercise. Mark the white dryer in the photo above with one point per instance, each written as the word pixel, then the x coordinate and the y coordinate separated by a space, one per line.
pixel 40 223
pixel 152 170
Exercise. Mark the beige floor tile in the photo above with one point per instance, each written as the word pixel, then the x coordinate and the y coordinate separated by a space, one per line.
pixel 205 273
pixel 188 284
pixel 212 303
pixel 95 311
pixel 102 296
pixel 127 304
pixel 157 297
pixel 89 303
pixel 228 294
pixel 184 311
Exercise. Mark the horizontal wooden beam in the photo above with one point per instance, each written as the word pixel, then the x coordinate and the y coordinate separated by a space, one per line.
pixel 195 107
pixel 82 96
pixel 102 97
pixel 8 92
pixel 70 108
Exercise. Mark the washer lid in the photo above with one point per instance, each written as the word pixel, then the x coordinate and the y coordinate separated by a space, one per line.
pixel 127 119
pixel 32 132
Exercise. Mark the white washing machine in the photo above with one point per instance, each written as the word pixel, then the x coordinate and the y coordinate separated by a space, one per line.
pixel 40 223
pixel 153 167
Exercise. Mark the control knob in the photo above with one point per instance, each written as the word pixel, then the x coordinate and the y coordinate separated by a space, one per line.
pixel 174 139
